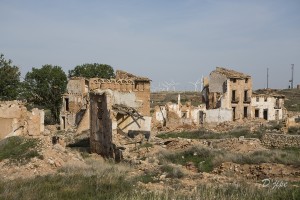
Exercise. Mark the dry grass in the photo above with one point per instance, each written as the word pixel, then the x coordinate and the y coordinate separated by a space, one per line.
pixel 206 159
pixel 104 180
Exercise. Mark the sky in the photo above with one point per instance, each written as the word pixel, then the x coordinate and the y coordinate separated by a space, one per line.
pixel 165 40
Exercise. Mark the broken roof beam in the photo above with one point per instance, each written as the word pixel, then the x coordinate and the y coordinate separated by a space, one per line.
pixel 126 110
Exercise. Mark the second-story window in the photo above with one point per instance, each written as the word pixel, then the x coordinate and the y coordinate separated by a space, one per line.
pixel 245 95
pixel 233 95
pixel 67 104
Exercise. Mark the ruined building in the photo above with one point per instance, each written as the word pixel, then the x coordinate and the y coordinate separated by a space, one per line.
pixel 75 109
pixel 16 120
pixel 268 106
pixel 174 114
pixel 228 97
pixel 113 109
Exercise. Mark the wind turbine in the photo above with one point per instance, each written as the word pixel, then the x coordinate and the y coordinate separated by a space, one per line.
pixel 166 85
pixel 195 84
pixel 173 84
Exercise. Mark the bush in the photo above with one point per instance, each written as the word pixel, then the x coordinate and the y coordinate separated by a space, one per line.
pixel 171 171
pixel 201 157
pixel 148 177
pixel 19 150
pixel 294 130
pixel 205 134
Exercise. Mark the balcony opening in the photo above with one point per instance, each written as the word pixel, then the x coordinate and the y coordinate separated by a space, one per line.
pixel 245 112
pixel 266 114
pixel 233 95
pixel 233 113
pixel 246 95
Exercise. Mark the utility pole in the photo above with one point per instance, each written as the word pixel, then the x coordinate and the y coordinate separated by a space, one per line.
pixel 292 81
pixel 267 78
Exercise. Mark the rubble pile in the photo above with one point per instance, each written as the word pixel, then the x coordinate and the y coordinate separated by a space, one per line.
pixel 52 157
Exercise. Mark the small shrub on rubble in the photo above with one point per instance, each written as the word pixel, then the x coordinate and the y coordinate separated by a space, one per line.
pixel 19 150
pixel 172 172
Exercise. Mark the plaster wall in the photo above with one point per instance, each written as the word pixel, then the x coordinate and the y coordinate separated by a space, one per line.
pixel 218 115
pixel 217 82
pixel 16 120
pixel 268 103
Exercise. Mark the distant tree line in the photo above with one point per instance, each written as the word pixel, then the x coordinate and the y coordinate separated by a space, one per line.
pixel 44 86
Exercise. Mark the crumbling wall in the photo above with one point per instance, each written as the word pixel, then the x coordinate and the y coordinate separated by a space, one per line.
pixel 160 114
pixel 75 103
pixel 101 126
pixel 140 89
pixel 35 121
pixel 16 120
pixel 109 121
pixel 293 121
pixel 218 115
pixel 281 140
pixel 217 82
pixel 229 89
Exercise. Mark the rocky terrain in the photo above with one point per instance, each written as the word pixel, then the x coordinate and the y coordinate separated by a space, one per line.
pixel 180 165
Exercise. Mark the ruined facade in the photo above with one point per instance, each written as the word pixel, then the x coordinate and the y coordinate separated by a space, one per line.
pixel 109 108
pixel 268 106
pixel 15 120
pixel 119 109
pixel 228 97
pixel 75 109
pixel 179 114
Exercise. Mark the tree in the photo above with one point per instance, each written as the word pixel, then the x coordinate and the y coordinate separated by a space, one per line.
pixel 46 86
pixel 9 79
pixel 92 71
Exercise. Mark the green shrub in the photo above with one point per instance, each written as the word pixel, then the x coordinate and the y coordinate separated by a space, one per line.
pixel 19 150
pixel 294 130
pixel 171 171
pixel 201 157
pixel 147 177
pixel 146 145
pixel 205 134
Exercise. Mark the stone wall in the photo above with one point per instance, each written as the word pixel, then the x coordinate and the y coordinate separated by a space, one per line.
pixel 110 126
pixel 16 120
pixel 216 82
pixel 141 90
pixel 280 140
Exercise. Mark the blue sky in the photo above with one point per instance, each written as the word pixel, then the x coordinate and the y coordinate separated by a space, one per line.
pixel 164 40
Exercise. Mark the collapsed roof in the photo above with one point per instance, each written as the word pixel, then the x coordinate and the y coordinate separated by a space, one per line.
pixel 230 73
pixel 125 75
